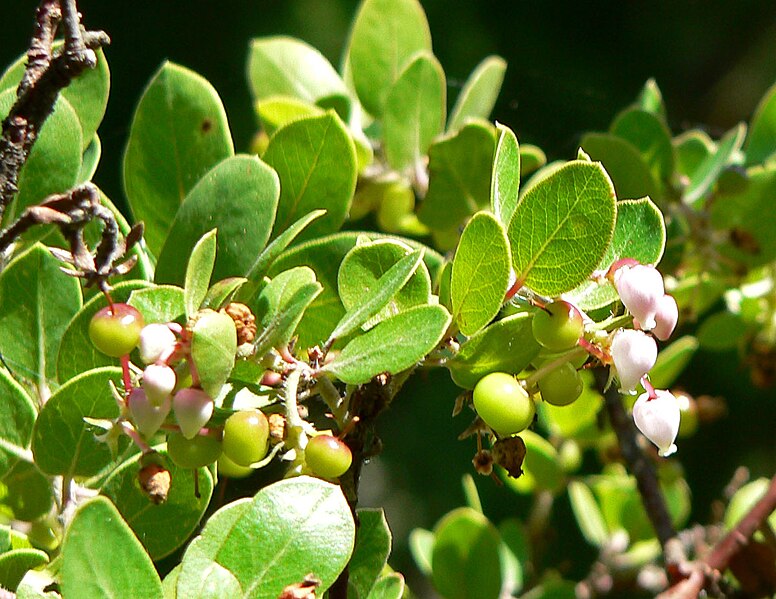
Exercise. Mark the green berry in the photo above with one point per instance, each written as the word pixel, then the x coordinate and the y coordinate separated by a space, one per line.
pixel 115 330
pixel 558 326
pixel 561 386
pixel 246 437
pixel 327 456
pixel 197 452
pixel 503 404
pixel 228 468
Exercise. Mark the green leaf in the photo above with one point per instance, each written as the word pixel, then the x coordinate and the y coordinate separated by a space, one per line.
pixel 421 547
pixel 87 93
pixel 692 148
pixel 722 331
pixel 761 144
pixel 515 554
pixel 17 416
pixel 377 297
pixel 588 514
pixel 751 239
pixel 76 351
pixel 394 345
pixel 651 100
pixel 672 360
pixel 221 292
pixel 480 273
pixel 213 346
pixel 505 346
pixel 649 134
pixel 281 306
pixel 532 158
pixel 62 442
pixel 639 233
pixel 541 466
pixel 385 35
pixel 90 159
pixel 390 586
pixel 744 500
pixel 562 228
pixel 361 273
pixel 276 112
pixel 465 559
pixel 288 530
pixel 163 527
pixel 505 182
pixel 179 132
pixel 284 66
pixel 316 162
pixel 170 583
pixel 373 546
pixel 279 244
pixel 710 169
pixel 198 272
pixel 239 197
pixel 90 571
pixel 579 422
pixel 54 161
pixel 32 318
pixel 628 170
pixel 324 256
pixel 29 492
pixel 552 589
pixel 459 185
pixel 414 112
pixel 160 303
pixel 479 93
pixel 15 564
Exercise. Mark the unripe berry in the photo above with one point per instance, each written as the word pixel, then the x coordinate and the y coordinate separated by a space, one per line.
pixel 640 288
pixel 155 340
pixel 147 416
pixel 199 451
pixel 634 353
pixel 658 419
pixel 503 404
pixel 561 386
pixel 158 382
pixel 115 330
pixel 558 326
pixel 246 437
pixel 193 408
pixel 327 456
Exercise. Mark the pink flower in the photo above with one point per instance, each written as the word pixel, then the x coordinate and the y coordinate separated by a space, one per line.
pixel 156 340
pixel 146 416
pixel 158 382
pixel 193 408
pixel 641 289
pixel 658 419
pixel 666 317
pixel 634 353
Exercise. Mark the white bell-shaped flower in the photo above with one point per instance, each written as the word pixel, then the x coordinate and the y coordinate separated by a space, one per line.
pixel 666 317
pixel 640 288
pixel 634 353
pixel 158 382
pixel 658 419
pixel 146 416
pixel 193 408
pixel 155 341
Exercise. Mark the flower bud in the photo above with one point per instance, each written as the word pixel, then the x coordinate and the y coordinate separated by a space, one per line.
pixel 640 288
pixel 158 382
pixel 658 419
pixel 666 317
pixel 155 341
pixel 193 408
pixel 146 416
pixel 634 353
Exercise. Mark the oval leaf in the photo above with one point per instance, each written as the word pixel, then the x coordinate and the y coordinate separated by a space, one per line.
pixel 761 143
pixel 238 197
pixel 373 546
pixel 213 346
pixel 480 273
pixel 394 345
pixel 316 162
pixel 505 182
pixel 179 132
pixel 290 529
pixel 562 228
pixel 627 168
pixel 124 571
pixel 704 178
pixel 414 112
pixel 198 272
pixel 479 93
pixel 588 514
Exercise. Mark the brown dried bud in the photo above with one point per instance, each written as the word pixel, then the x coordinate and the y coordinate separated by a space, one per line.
pixel 301 590
pixel 483 462
pixel 509 453
pixel 244 321
pixel 155 480
pixel 277 428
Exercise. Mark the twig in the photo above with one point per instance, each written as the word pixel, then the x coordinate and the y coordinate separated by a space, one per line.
pixel 45 76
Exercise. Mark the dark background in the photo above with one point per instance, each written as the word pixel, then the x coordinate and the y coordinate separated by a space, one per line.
pixel 572 66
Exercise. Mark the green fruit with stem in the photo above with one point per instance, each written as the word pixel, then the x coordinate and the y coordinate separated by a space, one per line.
pixel 115 330
pixel 558 326
pixel 199 451
pixel 327 456
pixel 561 386
pixel 503 404
pixel 246 437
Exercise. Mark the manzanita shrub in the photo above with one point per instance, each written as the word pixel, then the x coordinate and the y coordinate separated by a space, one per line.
pixel 268 321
